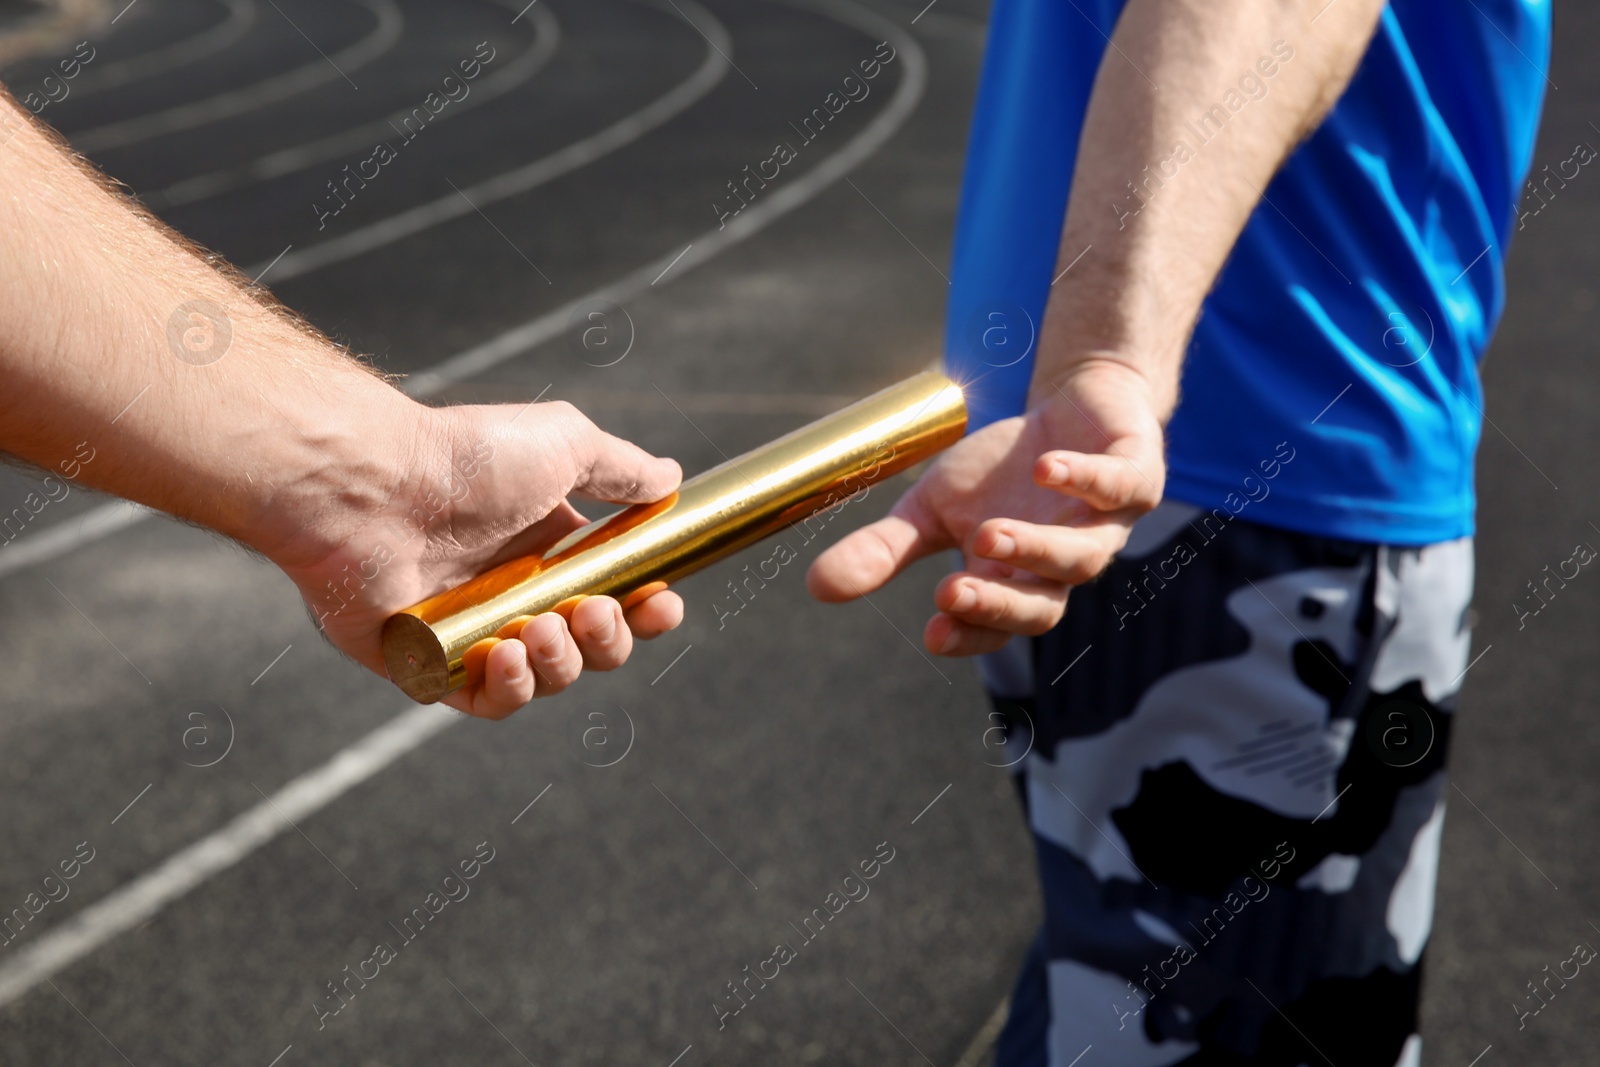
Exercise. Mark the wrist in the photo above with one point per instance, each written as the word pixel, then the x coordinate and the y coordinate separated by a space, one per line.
pixel 1153 381
pixel 1105 324
pixel 348 462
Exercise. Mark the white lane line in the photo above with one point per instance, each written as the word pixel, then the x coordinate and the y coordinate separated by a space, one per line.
pixel 241 16
pixel 502 234
pixel 697 29
pixel 102 521
pixel 384 36
pixel 712 243
pixel 977 1052
pixel 625 131
pixel 669 266
pixel 141 899
pixel 361 138
pixel 106 519
pixel 313 44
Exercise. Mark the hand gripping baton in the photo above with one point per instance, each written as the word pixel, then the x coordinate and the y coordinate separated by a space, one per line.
pixel 438 646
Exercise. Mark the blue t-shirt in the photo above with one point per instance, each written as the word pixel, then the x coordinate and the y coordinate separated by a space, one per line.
pixel 1345 330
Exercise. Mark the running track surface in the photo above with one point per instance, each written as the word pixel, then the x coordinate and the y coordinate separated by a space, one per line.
pixel 657 829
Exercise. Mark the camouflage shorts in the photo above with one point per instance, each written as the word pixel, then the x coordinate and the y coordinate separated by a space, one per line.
pixel 1231 753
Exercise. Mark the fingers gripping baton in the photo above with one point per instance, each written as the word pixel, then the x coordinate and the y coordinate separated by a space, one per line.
pixel 438 646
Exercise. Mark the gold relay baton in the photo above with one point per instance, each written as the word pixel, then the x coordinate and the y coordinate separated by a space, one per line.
pixel 438 646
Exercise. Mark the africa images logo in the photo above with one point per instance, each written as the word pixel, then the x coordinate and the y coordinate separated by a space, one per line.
pixel 199 332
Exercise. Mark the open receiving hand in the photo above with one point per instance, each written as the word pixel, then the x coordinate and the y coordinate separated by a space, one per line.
pixel 1036 504
pixel 486 484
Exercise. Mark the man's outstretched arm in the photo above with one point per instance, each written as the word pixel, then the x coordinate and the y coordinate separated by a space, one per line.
pixel 202 397
pixel 1042 502
pixel 1157 251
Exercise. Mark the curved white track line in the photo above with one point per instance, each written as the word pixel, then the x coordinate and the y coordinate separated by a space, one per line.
pixel 106 519
pixel 750 221
pixel 192 49
pixel 301 156
pixel 138 901
pixel 95 523
pixel 455 205
pixel 385 34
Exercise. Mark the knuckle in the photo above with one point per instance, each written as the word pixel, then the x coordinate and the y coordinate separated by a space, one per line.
pixel 565 410
pixel 570 424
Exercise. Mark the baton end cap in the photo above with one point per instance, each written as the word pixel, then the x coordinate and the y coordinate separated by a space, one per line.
pixel 415 658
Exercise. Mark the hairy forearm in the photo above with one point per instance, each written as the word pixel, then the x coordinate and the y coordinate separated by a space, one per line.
pixel 198 395
pixel 1195 107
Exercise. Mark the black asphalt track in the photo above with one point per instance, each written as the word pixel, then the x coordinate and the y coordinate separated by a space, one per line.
pixel 763 759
